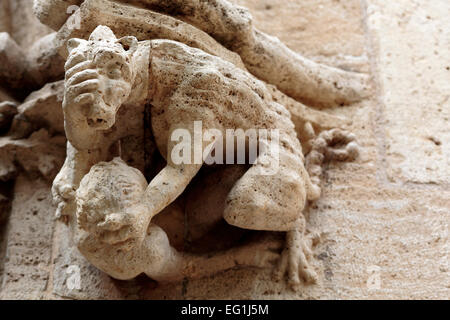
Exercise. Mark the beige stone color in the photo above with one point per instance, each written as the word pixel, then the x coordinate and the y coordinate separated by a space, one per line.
pixel 183 85
pixel 382 220
pixel 196 23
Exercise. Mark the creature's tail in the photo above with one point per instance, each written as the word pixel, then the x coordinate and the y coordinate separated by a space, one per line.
pixel 331 145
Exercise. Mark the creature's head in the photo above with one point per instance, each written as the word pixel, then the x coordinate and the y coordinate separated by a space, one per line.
pixel 108 63
pixel 112 188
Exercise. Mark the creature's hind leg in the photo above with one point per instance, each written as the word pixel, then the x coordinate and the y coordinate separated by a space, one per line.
pixel 271 194
pixel 296 256
pixel 275 202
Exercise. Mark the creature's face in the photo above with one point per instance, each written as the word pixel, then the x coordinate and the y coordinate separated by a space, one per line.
pixel 114 77
pixel 99 78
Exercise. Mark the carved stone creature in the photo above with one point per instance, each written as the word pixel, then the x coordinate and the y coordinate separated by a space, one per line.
pixel 108 82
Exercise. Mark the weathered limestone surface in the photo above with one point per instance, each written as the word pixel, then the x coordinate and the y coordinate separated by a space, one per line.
pixel 93 283
pixel 384 219
pixel 411 42
pixel 329 32
pixel 20 15
pixel 44 63
pixel 27 260
pixel 12 62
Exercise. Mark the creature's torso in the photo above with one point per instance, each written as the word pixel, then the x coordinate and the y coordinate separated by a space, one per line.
pixel 187 85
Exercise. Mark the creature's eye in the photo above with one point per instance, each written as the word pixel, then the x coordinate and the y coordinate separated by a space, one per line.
pixel 114 72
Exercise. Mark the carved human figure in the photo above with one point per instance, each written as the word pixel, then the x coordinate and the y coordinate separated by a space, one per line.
pixel 183 85
pixel 113 232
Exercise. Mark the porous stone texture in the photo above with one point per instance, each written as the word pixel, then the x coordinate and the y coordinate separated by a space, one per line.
pixel 42 109
pixel 12 60
pixel 326 31
pixel 20 13
pixel 413 73
pixel 27 258
pixel 383 219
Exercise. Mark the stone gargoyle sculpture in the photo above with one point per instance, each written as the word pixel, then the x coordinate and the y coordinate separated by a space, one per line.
pixel 108 82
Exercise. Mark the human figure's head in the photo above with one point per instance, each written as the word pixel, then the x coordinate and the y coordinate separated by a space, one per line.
pixel 111 188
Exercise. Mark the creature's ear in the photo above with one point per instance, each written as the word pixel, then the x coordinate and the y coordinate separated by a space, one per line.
pixel 73 43
pixel 129 43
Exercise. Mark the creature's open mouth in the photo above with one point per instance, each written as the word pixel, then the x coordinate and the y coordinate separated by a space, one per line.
pixel 96 123
pixel 102 118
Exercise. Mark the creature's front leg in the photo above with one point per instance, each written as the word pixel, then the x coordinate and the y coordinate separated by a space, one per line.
pixel 171 181
pixel 77 164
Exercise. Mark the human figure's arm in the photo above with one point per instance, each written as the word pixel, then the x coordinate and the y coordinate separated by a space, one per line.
pixel 76 165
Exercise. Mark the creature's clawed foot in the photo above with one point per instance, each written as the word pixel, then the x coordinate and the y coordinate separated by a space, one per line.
pixel 295 259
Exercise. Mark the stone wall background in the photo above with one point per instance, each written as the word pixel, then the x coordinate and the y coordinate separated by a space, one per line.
pixel 385 218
